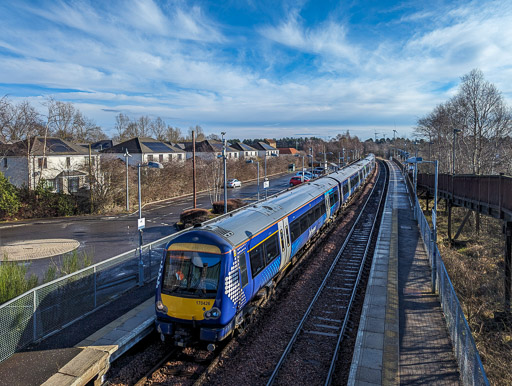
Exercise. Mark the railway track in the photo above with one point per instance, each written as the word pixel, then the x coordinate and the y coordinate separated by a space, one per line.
pixel 311 354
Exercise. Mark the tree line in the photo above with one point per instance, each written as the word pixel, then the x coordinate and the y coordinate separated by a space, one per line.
pixel 476 122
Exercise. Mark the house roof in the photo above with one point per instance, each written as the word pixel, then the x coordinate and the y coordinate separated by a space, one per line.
pixel 208 146
pixel 138 145
pixel 242 147
pixel 288 150
pixel 41 146
pixel 263 146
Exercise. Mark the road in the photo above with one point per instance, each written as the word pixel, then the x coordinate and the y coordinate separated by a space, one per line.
pixel 102 237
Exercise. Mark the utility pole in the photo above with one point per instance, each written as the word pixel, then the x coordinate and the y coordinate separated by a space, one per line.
pixel 194 167
pixel 225 176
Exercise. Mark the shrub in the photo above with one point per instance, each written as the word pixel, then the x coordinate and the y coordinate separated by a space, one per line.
pixel 9 200
pixel 234 203
pixel 194 216
pixel 13 281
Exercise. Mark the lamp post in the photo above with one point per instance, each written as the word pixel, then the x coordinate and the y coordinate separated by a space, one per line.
pixel 126 155
pixel 455 131
pixel 142 222
pixel 258 167
pixel 343 156
pixel 302 173
pixel 225 176
pixel 394 142
pixel 325 159
pixel 266 183
pixel 311 150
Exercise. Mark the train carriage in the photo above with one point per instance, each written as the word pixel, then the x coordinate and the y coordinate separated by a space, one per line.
pixel 210 274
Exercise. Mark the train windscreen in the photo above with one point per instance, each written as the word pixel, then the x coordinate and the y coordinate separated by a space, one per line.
pixel 192 274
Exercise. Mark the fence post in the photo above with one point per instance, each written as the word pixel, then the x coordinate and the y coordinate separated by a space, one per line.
pixel 95 287
pixel 34 315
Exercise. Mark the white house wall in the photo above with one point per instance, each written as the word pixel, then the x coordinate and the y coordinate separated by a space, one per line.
pixel 16 170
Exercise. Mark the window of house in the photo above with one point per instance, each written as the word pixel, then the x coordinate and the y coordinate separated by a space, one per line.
pixel 150 157
pixel 5 162
pixel 42 163
pixel 73 183
pixel 170 157
pixel 50 184
pixel 68 162
pixel 180 157
pixel 160 158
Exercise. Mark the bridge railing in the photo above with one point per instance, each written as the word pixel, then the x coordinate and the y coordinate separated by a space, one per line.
pixel 466 353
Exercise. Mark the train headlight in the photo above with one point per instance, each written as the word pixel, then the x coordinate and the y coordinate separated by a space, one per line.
pixel 214 313
pixel 161 307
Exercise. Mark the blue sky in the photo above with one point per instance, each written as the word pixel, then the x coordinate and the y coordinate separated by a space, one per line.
pixel 254 68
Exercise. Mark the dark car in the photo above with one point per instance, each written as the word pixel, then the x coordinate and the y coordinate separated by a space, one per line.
pixel 296 180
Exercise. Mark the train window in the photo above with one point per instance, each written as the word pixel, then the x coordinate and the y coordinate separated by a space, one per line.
pixel 345 188
pixel 271 248
pixel 256 258
pixel 322 207
pixel 282 240
pixel 304 224
pixel 295 229
pixel 318 211
pixel 311 216
pixel 287 235
pixel 243 269
pixel 335 196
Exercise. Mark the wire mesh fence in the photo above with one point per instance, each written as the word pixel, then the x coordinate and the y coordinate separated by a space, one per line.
pixel 466 353
pixel 50 307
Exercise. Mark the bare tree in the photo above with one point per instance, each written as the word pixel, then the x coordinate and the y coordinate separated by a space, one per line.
pixel 121 126
pixel 483 117
pixel 173 134
pixel 158 129
pixel 143 126
pixel 199 133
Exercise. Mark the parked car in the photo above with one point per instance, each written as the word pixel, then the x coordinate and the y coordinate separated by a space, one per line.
pixel 296 180
pixel 233 183
pixel 319 170
pixel 306 174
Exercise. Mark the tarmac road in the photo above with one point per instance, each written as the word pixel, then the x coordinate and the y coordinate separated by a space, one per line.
pixel 102 237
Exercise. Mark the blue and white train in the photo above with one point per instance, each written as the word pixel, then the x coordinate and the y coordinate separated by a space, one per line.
pixel 211 275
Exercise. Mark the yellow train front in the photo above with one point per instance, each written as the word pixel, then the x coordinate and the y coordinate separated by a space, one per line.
pixel 191 304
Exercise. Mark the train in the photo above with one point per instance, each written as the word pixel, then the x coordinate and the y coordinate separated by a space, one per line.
pixel 212 276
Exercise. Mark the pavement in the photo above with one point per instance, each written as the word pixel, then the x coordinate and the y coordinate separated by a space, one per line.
pixel 402 336
pixel 36 249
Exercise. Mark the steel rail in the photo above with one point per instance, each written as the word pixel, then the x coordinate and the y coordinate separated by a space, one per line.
pixel 317 295
pixel 354 291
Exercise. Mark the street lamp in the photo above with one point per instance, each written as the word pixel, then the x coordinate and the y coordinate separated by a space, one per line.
pixel 343 156
pixel 141 222
pixel 312 162
pixel 258 166
pixel 126 155
pixel 325 158
pixel 225 176
pixel 302 173
pixel 455 131
pixel 265 183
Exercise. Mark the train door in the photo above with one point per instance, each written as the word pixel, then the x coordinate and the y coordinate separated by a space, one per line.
pixel 284 242
pixel 327 205
pixel 245 283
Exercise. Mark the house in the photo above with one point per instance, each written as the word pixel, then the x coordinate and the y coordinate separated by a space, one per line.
pixel 62 165
pixel 244 150
pixel 143 149
pixel 210 149
pixel 288 151
pixel 265 150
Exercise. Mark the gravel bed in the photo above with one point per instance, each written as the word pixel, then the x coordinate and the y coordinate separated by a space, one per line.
pixel 250 358
pixel 254 354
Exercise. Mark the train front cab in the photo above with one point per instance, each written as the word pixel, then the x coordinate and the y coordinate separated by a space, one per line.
pixel 189 299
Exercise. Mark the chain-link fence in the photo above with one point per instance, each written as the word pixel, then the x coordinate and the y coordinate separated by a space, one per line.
pixel 50 307
pixel 466 353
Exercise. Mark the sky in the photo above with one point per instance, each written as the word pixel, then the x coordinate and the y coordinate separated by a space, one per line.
pixel 254 69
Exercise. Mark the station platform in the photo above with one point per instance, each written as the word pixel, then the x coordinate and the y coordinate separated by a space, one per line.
pixel 402 336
